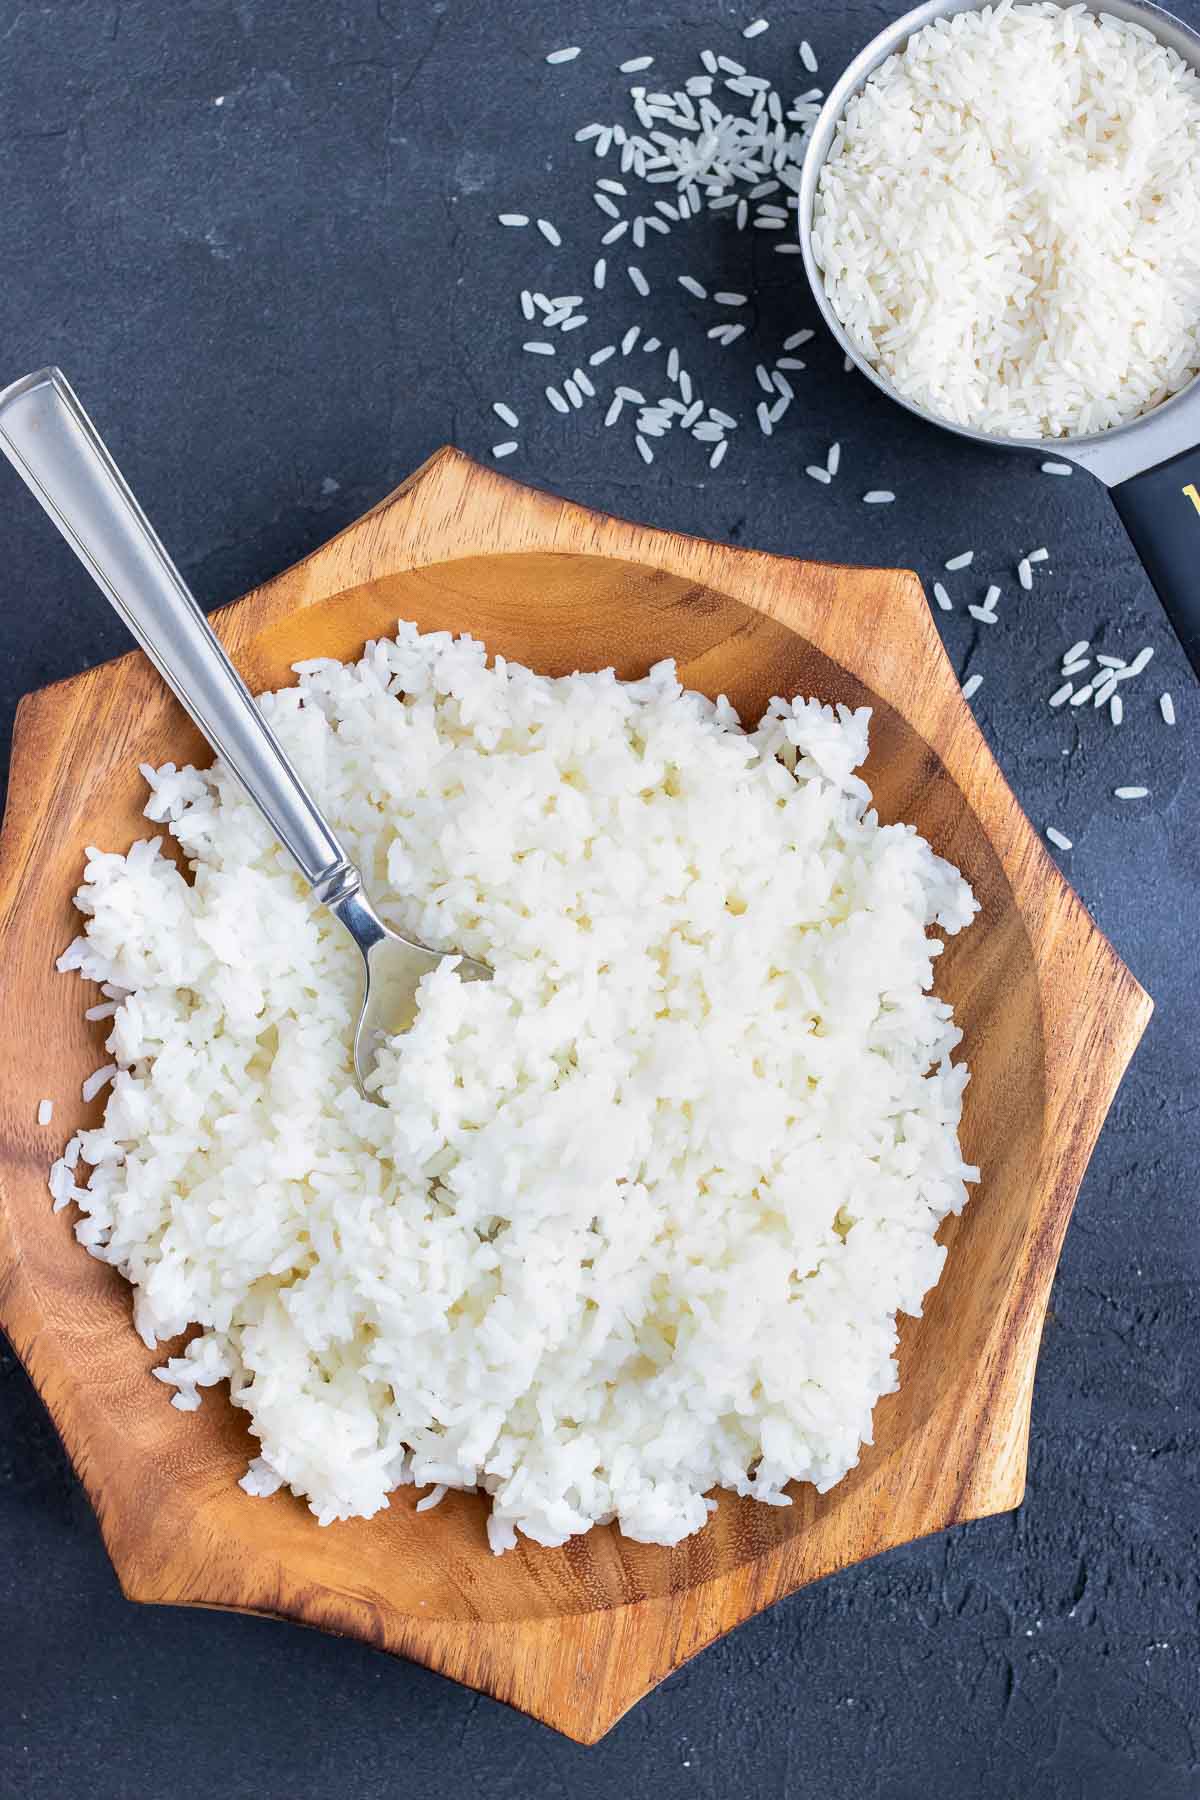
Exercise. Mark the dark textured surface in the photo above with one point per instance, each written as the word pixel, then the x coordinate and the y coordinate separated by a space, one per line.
pixel 275 307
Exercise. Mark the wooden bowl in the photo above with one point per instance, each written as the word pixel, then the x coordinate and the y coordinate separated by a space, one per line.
pixel 572 1636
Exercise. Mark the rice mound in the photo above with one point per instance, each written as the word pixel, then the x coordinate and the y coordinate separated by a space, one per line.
pixel 639 1213
pixel 1007 223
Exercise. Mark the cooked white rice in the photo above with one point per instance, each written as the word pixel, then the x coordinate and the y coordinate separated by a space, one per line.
pixel 639 1213
pixel 1008 221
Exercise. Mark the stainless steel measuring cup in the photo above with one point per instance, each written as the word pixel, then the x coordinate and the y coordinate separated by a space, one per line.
pixel 1151 465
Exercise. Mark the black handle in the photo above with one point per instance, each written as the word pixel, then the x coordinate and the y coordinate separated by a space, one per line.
pixel 1160 509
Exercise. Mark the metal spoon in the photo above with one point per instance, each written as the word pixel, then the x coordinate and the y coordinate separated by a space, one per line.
pixel 1151 464
pixel 54 446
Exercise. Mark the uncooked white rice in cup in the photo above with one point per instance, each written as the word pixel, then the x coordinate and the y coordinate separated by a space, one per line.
pixel 1008 223
pixel 639 1213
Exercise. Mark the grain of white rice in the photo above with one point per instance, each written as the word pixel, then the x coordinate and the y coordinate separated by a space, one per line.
pixel 607 204
pixel 636 64
pixel 991 597
pixel 564 56
pixel 789 362
pixel 807 56
pixel 789 393
pixel 1139 662
pixel 505 413
pixel 574 324
pixel 615 231
pixel 971 686
pixel 602 355
pixel 513 219
pixel 709 61
pixel 556 400
pixel 1116 709
pixel 1058 838
pixel 538 347
pixel 763 377
pixel 571 390
pixel 644 450
pixel 1065 151
pixel 942 597
pixel 693 286
pixel 506 448
pixel 962 561
pixel 1130 793
pixel 797 339
pixel 788 250
pixel 45 1111
pixel 1082 695
pixel 685 387
pixel 722 418
pixel 433 1498
pixel 1108 662
pixel 585 386
pixel 1166 707
pixel 1077 665
pixel 632 395
pixel 98 1080
pixel 982 613
pixel 879 497
pixel 549 232
pixel 599 270
pixel 833 461
pixel 638 279
pixel 630 339
pixel 106 1010
pixel 1105 690
pixel 756 28
pixel 724 299
pixel 1056 468
pixel 651 343
pixel 730 66
pixel 1062 694
pixel 766 427
pixel 1025 574
pixel 527 306
pixel 614 411
pixel 1078 649
pixel 1036 556
pixel 610 186
pixel 718 455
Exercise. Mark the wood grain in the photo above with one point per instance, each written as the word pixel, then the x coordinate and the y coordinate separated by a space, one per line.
pixel 572 1636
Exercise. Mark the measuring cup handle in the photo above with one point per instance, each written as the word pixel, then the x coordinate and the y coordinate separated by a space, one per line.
pixel 1160 509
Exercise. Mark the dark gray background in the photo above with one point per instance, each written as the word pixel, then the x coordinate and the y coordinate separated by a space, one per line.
pixel 275 308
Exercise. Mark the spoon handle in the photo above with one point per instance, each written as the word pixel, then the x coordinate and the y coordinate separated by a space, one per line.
pixel 54 446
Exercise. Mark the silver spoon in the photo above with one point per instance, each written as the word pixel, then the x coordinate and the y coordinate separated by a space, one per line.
pixel 54 446
pixel 1150 465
